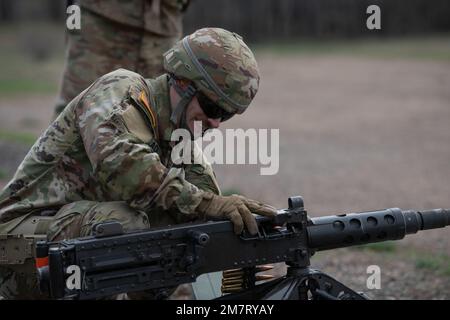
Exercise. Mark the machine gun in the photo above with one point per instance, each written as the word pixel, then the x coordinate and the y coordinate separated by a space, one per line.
pixel 112 262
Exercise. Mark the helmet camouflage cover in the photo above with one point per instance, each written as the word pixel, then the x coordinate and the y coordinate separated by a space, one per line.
pixel 220 64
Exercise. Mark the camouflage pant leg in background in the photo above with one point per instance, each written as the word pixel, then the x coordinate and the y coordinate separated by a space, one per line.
pixel 71 221
pixel 102 46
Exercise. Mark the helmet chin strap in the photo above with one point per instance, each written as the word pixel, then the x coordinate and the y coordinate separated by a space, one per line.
pixel 180 109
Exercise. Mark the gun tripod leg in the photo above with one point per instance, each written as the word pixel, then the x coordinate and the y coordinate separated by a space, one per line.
pixel 316 285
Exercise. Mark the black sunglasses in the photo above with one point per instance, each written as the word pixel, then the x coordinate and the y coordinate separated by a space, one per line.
pixel 212 110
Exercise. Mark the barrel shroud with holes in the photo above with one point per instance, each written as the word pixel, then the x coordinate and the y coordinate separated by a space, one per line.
pixel 112 262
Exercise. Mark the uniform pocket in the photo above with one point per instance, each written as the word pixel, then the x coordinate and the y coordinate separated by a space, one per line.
pixel 67 222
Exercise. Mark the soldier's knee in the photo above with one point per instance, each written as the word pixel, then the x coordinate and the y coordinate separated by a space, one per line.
pixel 115 211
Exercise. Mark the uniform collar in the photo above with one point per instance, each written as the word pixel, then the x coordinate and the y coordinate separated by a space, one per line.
pixel 160 93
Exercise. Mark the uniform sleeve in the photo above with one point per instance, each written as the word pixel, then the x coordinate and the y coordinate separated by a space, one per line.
pixel 126 166
pixel 200 172
pixel 200 177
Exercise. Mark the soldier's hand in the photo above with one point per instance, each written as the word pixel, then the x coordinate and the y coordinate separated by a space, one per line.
pixel 236 208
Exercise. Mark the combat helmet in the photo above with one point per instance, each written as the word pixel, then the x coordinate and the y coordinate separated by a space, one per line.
pixel 220 66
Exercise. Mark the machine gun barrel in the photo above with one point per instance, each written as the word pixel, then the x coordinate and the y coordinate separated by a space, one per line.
pixel 345 230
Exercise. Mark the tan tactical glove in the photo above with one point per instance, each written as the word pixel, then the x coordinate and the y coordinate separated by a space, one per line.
pixel 236 208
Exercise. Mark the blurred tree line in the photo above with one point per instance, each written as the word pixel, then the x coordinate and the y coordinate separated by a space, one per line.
pixel 279 19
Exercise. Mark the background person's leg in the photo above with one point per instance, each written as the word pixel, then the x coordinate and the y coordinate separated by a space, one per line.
pixel 152 47
pixel 99 47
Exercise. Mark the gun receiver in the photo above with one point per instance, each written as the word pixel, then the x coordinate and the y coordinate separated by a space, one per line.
pixel 113 262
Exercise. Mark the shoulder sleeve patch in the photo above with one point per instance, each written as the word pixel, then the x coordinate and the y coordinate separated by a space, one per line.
pixel 136 124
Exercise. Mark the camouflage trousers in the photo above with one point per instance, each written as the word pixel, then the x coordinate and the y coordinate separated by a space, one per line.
pixel 72 220
pixel 103 45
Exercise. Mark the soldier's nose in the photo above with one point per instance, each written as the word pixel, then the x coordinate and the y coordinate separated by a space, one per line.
pixel 213 123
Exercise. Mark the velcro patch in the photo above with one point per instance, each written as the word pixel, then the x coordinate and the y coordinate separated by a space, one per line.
pixel 136 124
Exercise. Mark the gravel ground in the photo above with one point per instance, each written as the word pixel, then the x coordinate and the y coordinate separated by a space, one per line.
pixel 356 134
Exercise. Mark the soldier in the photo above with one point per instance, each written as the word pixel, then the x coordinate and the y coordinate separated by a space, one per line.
pixel 108 154
pixel 119 34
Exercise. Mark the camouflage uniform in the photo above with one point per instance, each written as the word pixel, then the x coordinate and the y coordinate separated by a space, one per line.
pixel 119 34
pixel 106 157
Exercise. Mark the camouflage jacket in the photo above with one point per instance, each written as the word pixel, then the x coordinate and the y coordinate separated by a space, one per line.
pixel 111 143
pixel 162 17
